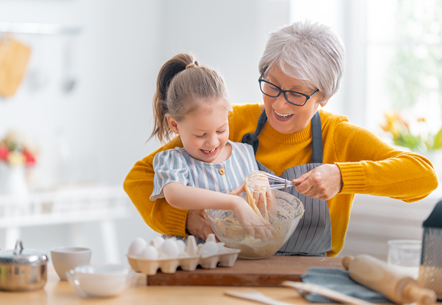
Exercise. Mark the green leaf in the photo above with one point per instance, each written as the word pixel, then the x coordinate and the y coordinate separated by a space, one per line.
pixel 437 144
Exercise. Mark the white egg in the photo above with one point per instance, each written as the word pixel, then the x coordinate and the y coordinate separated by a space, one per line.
pixel 181 245
pixel 157 242
pixel 209 248
pixel 137 246
pixel 170 248
pixel 149 252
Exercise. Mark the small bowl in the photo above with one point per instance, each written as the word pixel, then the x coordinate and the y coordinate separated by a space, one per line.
pixel 98 281
pixel 284 216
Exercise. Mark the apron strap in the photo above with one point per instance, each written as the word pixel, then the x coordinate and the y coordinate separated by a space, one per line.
pixel 316 138
pixel 252 137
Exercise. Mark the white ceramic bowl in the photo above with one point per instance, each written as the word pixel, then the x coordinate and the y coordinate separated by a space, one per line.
pixel 67 258
pixel 96 281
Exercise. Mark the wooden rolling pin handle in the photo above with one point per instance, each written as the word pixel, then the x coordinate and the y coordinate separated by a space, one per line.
pixel 420 295
pixel 346 261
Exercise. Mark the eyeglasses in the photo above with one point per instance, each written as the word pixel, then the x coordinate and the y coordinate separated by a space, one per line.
pixel 292 97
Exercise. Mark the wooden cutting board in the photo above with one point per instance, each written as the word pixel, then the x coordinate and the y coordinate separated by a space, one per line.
pixel 13 60
pixel 262 272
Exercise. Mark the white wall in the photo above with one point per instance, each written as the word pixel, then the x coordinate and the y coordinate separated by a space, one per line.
pixel 107 118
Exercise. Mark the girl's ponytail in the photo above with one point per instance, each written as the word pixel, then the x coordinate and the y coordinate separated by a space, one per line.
pixel 172 67
pixel 182 87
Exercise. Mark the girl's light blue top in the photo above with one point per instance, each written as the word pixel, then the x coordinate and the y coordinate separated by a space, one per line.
pixel 175 165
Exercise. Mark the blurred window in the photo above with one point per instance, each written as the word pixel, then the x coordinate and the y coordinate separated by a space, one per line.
pixel 404 60
pixel 394 57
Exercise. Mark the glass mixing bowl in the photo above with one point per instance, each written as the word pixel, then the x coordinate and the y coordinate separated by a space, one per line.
pixel 284 215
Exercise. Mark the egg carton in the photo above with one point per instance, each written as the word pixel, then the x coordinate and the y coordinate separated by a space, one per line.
pixel 188 260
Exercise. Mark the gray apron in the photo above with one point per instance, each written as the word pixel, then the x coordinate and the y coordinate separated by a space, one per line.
pixel 312 236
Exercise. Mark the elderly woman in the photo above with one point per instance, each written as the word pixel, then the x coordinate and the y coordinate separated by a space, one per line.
pixel 329 158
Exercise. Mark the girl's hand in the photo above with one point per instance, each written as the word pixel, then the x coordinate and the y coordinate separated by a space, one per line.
pixel 259 198
pixel 323 182
pixel 247 216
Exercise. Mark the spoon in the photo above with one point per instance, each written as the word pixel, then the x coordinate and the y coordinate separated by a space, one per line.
pixel 68 82
pixel 325 292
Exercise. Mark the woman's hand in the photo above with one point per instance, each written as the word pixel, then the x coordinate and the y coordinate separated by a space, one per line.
pixel 323 182
pixel 197 224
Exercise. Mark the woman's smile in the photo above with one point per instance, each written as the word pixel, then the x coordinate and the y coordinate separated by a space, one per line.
pixel 282 117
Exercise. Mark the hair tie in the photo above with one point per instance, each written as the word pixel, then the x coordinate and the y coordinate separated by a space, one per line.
pixel 192 64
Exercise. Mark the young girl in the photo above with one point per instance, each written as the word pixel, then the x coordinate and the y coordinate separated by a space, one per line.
pixel 191 101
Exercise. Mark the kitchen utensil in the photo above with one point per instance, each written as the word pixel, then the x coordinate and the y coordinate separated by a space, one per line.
pixel 284 215
pixel 22 269
pixel 253 295
pixel 69 81
pixel 430 272
pixel 262 181
pixel 381 277
pixel 325 292
pixel 66 258
pixel 270 272
pixel 14 58
pixel 404 256
pixel 96 281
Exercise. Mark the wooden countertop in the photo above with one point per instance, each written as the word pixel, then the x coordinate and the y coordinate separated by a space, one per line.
pixel 58 292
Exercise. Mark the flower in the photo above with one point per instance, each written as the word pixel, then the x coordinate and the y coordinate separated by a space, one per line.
pixel 399 127
pixel 16 149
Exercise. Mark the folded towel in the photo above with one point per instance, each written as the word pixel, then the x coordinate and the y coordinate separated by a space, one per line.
pixel 339 280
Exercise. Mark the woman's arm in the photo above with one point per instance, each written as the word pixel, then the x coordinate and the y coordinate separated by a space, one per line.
pixel 158 214
pixel 370 166
pixel 367 165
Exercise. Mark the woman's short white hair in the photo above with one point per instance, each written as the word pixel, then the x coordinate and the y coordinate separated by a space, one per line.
pixel 309 52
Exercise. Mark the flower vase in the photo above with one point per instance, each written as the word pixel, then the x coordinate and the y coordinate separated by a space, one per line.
pixel 13 180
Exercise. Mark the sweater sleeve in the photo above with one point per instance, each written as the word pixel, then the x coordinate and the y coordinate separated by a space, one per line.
pixel 158 214
pixel 370 166
pixel 139 183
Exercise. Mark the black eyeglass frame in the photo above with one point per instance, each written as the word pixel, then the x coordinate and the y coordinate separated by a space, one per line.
pixel 307 97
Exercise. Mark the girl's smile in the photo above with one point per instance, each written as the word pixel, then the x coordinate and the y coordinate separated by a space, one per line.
pixel 205 133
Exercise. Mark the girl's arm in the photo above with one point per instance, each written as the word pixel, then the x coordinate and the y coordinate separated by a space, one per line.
pixel 187 197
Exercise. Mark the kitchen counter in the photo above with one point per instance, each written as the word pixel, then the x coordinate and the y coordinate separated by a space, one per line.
pixel 60 292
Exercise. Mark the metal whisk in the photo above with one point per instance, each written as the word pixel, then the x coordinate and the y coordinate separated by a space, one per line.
pixel 261 181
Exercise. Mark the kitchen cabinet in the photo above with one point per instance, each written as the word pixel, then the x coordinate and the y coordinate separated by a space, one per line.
pixel 66 206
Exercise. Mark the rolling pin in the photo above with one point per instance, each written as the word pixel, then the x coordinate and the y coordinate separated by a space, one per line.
pixel 379 276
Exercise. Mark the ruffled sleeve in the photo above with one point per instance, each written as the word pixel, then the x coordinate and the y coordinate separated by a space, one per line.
pixel 170 166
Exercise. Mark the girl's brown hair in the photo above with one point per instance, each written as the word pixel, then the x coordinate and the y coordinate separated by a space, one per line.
pixel 182 86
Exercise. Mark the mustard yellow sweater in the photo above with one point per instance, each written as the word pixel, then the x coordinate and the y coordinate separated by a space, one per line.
pixel 368 166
